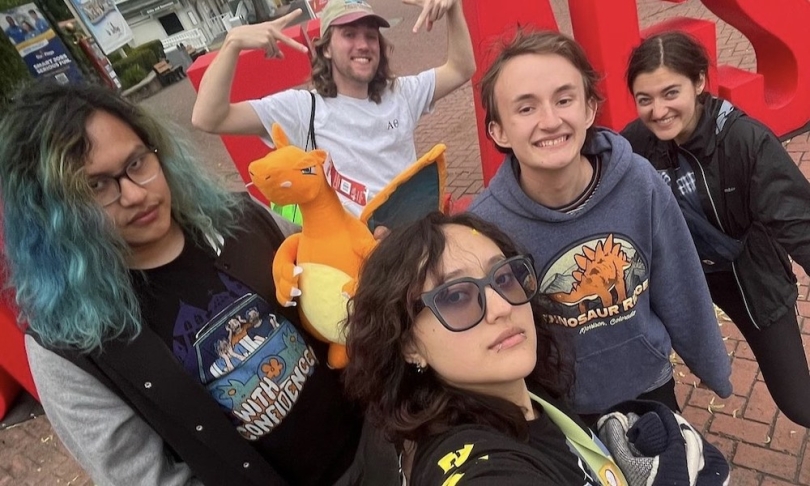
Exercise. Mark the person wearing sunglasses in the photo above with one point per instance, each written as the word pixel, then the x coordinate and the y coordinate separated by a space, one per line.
pixel 447 354
pixel 131 267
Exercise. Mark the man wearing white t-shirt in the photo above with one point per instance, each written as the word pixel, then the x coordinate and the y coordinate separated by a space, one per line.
pixel 364 116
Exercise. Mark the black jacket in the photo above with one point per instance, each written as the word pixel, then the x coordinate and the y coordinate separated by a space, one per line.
pixel 483 455
pixel 191 423
pixel 750 189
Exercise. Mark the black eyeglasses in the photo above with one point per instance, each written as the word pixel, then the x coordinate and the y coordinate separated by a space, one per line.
pixel 461 304
pixel 141 169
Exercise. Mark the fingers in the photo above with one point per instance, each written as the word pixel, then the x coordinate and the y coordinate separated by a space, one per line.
pixel 292 43
pixel 286 19
pixel 273 49
pixel 422 17
pixel 432 11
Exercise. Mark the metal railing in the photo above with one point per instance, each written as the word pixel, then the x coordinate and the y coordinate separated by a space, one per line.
pixel 194 38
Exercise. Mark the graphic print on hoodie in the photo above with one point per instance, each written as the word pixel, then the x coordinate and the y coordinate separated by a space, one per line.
pixel 594 283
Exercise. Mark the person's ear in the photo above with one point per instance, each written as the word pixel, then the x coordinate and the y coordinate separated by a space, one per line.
pixel 410 352
pixel 498 135
pixel 590 108
pixel 700 86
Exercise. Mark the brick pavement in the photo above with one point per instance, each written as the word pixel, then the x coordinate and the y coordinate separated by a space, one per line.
pixel 763 446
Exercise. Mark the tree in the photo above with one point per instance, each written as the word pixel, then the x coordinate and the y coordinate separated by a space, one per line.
pixel 13 72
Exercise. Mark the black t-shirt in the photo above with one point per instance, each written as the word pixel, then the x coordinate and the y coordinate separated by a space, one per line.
pixel 268 376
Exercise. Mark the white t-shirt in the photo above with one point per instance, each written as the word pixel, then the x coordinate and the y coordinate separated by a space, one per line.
pixel 369 143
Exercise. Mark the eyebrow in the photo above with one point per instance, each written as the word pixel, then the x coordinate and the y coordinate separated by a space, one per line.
pixel 529 96
pixel 460 272
pixel 137 150
pixel 671 86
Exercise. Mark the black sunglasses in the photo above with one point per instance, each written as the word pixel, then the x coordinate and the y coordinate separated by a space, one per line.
pixel 461 304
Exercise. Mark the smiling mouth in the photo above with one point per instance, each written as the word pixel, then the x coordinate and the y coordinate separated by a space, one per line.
pixel 362 60
pixel 552 142
pixel 665 121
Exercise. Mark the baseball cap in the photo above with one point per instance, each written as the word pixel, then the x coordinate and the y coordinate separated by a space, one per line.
pixel 342 12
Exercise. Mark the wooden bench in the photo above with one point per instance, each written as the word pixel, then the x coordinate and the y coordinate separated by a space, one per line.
pixel 167 73
pixel 194 52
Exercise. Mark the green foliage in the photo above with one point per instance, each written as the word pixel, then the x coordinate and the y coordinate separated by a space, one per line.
pixel 56 8
pixel 155 46
pixel 132 76
pixel 144 58
pixel 13 72
pixel 115 57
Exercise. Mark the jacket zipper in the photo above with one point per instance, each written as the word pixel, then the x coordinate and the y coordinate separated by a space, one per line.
pixel 720 224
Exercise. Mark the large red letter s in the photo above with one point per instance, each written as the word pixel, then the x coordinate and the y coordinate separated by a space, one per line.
pixel 778 93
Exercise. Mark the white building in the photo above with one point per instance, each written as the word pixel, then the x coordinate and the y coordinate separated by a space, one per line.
pixel 192 22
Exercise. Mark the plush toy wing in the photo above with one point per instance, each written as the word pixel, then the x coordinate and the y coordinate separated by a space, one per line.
pixel 412 194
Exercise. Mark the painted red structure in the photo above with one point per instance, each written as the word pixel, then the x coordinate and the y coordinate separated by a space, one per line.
pixel 255 77
pixel 608 31
pixel 776 94
pixel 14 372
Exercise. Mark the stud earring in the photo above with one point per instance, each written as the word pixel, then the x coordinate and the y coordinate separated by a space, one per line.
pixel 420 369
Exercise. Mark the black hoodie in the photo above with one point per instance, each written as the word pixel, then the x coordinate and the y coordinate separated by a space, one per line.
pixel 750 189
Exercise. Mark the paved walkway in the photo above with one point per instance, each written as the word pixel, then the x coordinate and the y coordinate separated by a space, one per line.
pixel 763 447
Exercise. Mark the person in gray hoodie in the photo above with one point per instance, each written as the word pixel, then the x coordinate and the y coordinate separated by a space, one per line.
pixel 618 272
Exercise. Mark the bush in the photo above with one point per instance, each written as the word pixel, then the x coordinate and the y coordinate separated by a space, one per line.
pixel 132 76
pixel 13 71
pixel 145 59
pixel 155 46
pixel 114 57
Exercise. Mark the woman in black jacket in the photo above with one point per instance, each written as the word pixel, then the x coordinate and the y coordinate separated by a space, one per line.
pixel 746 203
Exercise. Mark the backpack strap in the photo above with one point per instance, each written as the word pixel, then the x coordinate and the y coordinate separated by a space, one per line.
pixel 311 134
pixel 594 454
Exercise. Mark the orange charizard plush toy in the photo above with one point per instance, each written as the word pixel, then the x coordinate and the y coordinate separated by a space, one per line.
pixel 320 265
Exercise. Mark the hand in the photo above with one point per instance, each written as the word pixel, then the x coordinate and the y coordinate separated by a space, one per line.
pixel 266 36
pixel 432 11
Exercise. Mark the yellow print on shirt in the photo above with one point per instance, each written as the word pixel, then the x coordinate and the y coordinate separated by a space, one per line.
pixel 454 460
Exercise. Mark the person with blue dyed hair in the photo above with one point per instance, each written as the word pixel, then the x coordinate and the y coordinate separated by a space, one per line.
pixel 129 264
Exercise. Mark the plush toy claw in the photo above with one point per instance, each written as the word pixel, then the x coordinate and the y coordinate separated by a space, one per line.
pixel 286 273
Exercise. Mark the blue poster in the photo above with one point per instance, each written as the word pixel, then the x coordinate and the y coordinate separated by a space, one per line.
pixel 42 50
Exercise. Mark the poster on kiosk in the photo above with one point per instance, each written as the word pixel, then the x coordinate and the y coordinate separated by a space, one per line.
pixel 104 22
pixel 38 45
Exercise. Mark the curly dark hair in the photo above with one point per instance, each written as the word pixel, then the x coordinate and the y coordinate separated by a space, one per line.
pixel 322 70
pixel 410 405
